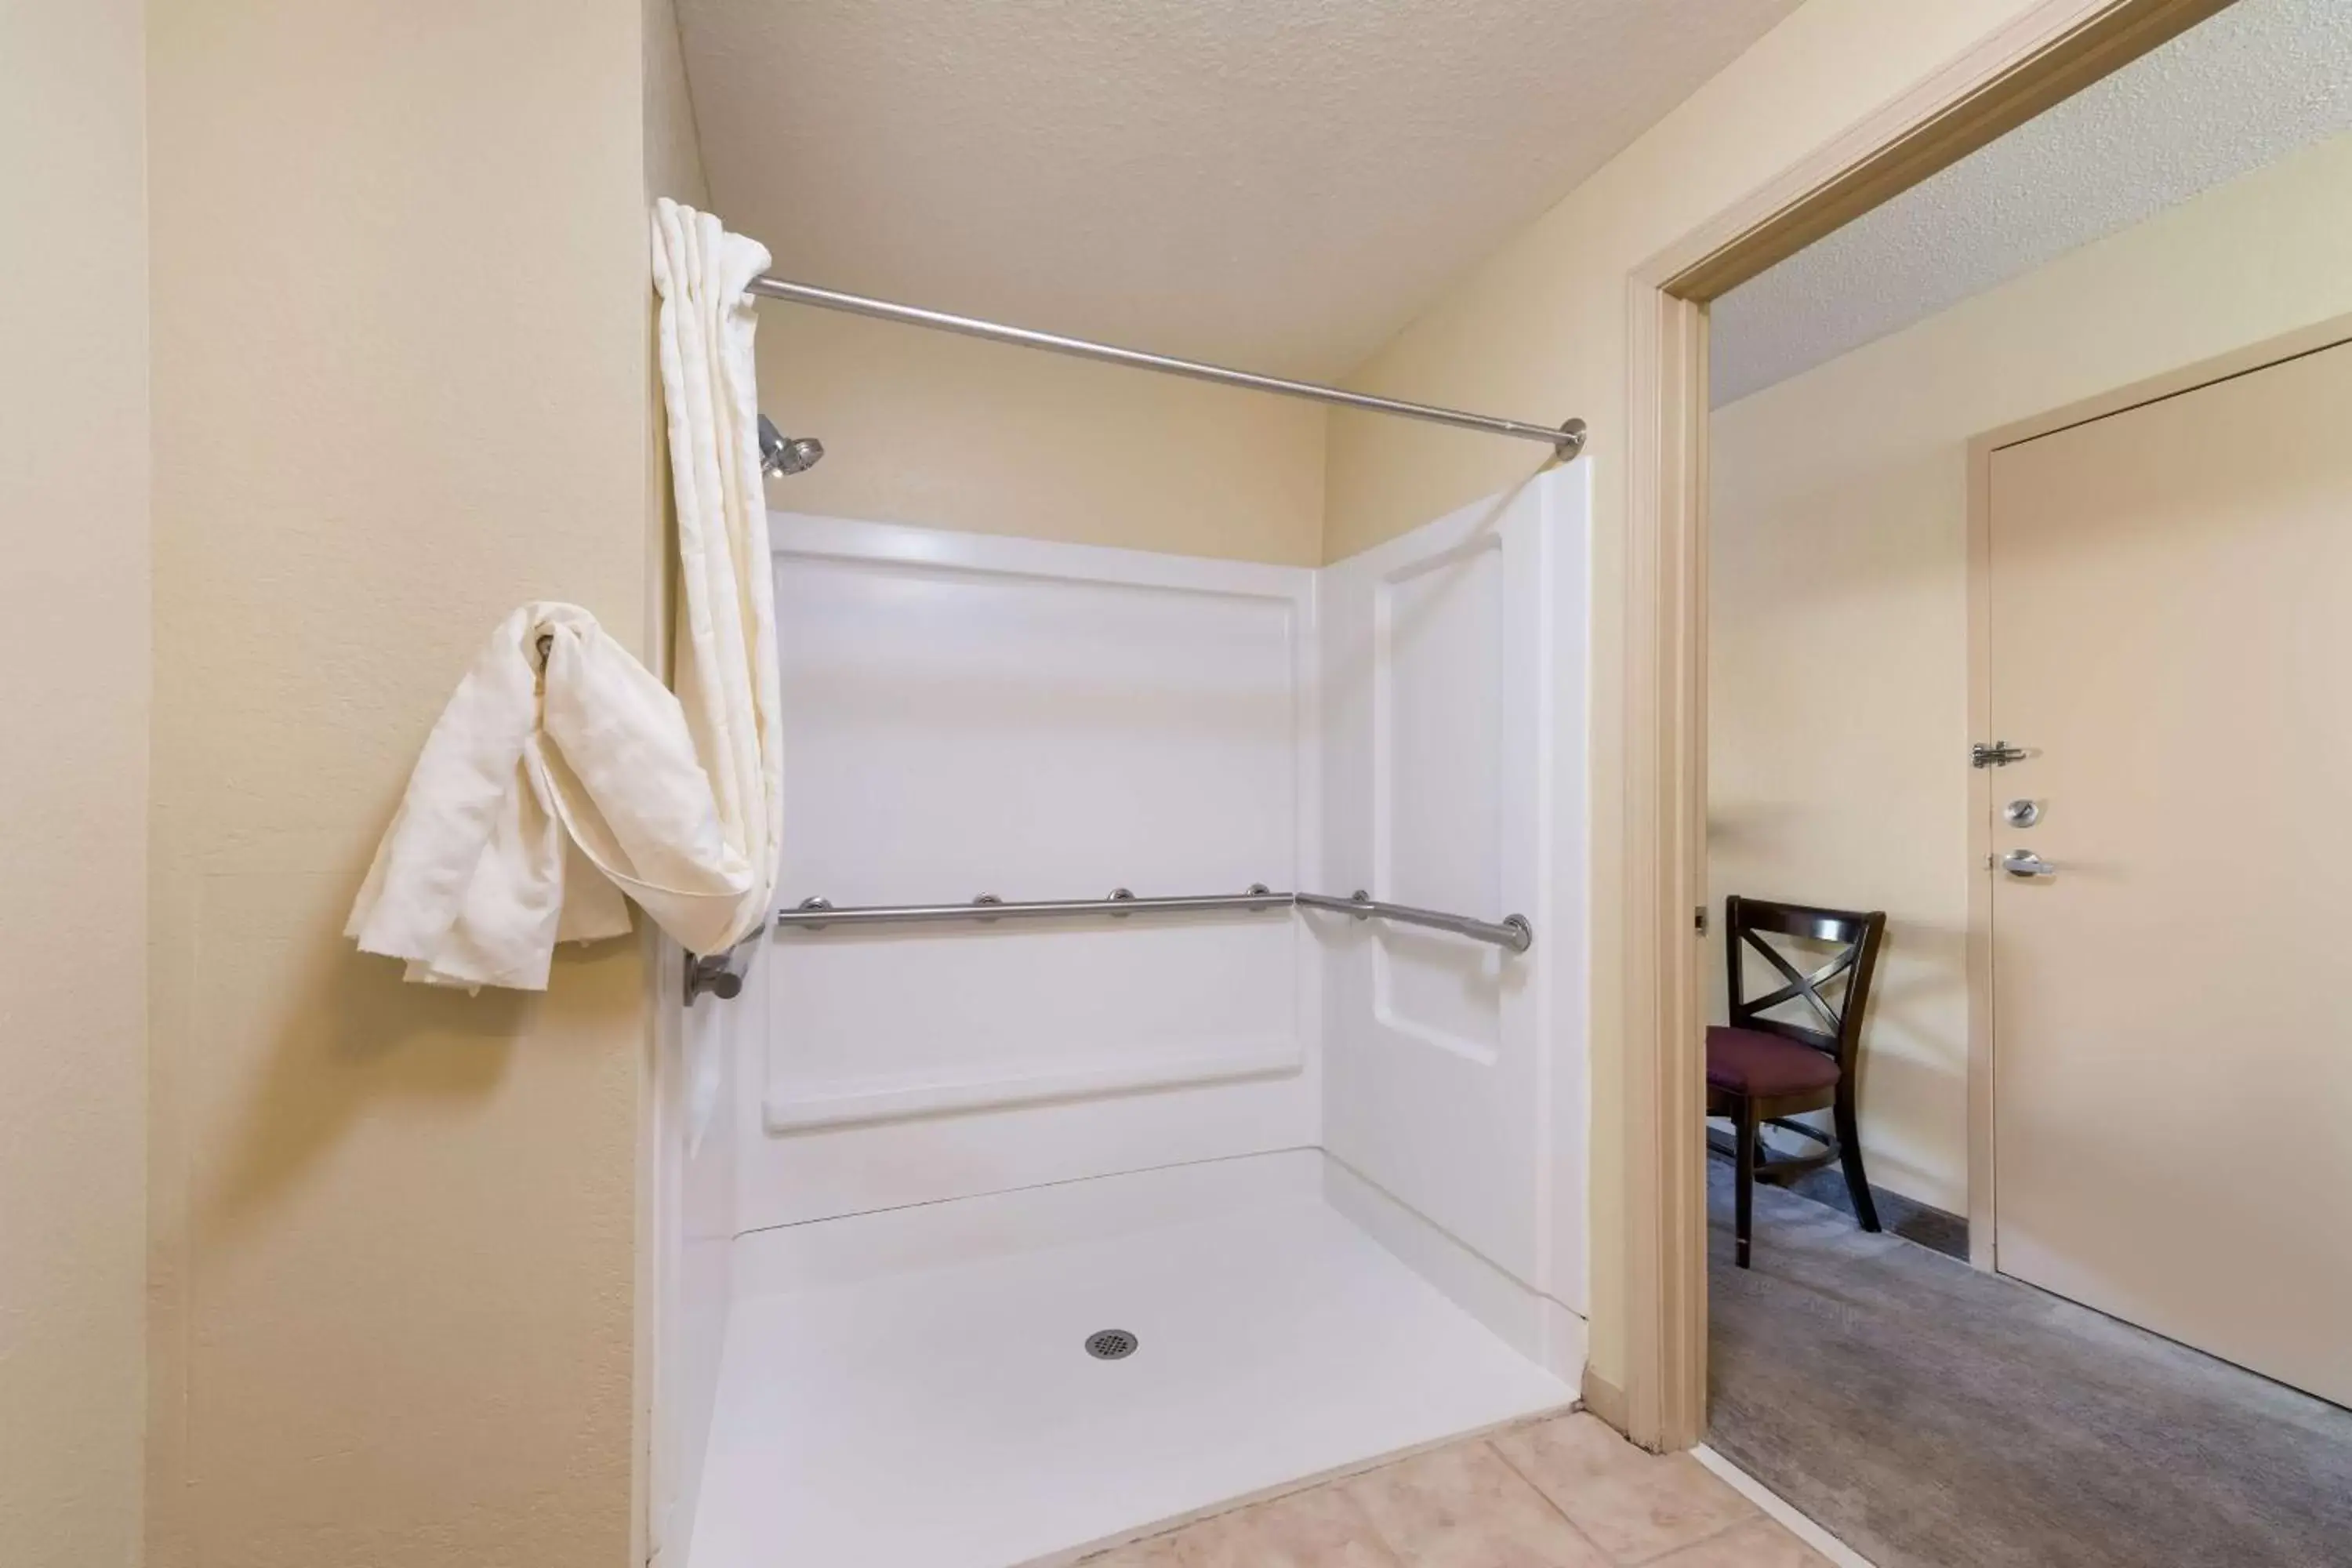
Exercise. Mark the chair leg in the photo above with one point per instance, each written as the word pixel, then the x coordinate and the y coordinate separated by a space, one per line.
pixel 1857 1185
pixel 1744 1181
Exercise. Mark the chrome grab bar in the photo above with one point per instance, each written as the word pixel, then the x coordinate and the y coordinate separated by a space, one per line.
pixel 816 914
pixel 1512 931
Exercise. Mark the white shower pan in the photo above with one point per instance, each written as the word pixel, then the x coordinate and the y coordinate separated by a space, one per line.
pixel 914 1389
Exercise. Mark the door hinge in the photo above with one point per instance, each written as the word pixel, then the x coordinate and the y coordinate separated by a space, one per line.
pixel 1997 754
pixel 1698 920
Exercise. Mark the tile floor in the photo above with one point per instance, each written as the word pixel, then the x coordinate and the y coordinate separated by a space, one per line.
pixel 1564 1493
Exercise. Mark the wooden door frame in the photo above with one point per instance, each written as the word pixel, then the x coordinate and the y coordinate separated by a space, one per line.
pixel 2050 51
pixel 1983 1174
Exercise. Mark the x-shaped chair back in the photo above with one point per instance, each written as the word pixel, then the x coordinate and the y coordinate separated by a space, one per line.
pixel 1827 998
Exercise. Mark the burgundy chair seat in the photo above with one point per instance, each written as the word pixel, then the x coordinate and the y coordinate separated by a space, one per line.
pixel 1762 1066
pixel 1758 1077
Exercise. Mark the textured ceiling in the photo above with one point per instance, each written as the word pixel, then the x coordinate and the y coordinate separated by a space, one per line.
pixel 2242 89
pixel 1279 184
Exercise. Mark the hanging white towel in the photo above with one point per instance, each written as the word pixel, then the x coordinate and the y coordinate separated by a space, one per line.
pixel 546 792
pixel 537 801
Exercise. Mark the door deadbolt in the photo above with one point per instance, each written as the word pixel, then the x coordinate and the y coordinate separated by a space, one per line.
pixel 2021 813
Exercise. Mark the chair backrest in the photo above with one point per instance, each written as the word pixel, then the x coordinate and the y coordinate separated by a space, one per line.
pixel 1822 1007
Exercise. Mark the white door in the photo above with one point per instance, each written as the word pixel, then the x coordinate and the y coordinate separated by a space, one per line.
pixel 1453 669
pixel 2170 635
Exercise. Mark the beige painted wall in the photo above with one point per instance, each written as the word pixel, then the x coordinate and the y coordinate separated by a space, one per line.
pixel 673 153
pixel 919 426
pixel 400 382
pixel 673 145
pixel 1840 517
pixel 1538 332
pixel 73 781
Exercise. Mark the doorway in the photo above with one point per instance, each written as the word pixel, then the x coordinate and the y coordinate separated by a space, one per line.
pixel 1987 1417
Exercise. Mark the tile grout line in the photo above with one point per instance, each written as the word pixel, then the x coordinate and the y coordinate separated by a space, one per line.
pixel 1780 1510
pixel 1574 1528
pixel 1763 1502
pixel 1081 1555
pixel 1667 1555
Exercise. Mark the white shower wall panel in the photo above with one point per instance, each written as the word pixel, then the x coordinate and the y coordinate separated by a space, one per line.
pixel 694 1226
pixel 963 726
pixel 967 715
pixel 1454 779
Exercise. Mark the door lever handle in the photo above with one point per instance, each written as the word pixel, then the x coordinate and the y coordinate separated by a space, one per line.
pixel 2025 865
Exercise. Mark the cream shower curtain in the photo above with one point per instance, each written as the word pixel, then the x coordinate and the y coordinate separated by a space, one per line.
pixel 726 646
pixel 562 773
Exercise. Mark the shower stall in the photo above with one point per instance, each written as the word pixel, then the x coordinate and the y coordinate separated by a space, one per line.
pixel 1163 1080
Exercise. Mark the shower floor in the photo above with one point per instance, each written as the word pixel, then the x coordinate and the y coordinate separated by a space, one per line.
pixel 913 1388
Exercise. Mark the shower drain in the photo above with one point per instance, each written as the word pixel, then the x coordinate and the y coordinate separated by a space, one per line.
pixel 1110 1344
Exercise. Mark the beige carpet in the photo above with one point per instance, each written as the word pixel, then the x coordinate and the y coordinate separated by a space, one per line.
pixel 1929 1415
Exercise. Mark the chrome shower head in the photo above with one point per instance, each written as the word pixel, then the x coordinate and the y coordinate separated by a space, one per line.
pixel 778 456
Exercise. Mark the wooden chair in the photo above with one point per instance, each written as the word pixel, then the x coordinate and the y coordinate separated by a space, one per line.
pixel 1762 1071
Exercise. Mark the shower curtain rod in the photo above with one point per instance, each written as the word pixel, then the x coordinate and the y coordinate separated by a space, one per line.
pixel 1565 441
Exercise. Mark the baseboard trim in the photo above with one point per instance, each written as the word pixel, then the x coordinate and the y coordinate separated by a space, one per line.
pixel 1924 1224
